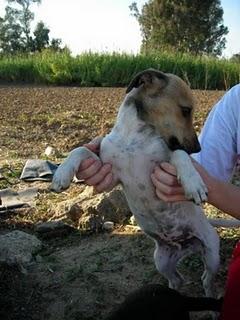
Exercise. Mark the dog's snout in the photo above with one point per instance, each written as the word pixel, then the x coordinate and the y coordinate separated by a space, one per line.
pixel 195 146
pixel 174 144
pixel 190 146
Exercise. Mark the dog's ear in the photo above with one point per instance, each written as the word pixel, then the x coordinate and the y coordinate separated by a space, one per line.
pixel 147 77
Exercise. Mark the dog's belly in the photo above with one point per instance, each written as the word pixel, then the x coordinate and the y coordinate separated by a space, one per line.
pixel 132 165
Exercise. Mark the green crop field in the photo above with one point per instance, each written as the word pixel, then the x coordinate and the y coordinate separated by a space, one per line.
pixel 115 69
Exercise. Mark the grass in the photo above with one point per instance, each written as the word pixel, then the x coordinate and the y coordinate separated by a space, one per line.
pixel 115 69
pixel 10 176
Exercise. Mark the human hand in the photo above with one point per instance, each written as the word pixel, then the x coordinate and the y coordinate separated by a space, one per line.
pixel 94 173
pixel 164 178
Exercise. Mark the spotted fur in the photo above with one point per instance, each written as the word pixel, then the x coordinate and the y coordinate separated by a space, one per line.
pixel 154 124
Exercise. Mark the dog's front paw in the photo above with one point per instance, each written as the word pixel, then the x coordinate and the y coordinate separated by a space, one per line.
pixel 62 177
pixel 195 189
pixel 192 183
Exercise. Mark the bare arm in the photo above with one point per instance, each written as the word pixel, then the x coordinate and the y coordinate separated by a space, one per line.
pixel 222 195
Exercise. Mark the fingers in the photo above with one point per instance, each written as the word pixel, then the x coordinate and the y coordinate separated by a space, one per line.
pixel 165 181
pixel 166 174
pixel 168 190
pixel 106 184
pixel 88 168
pixel 93 172
pixel 167 167
pixel 94 147
pixel 100 175
pixel 96 174
pixel 169 198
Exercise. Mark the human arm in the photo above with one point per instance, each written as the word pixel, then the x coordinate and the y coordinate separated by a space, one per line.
pixel 222 195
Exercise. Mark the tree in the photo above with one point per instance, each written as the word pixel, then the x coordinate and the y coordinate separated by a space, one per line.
pixel 182 25
pixel 24 16
pixel 236 57
pixel 15 29
pixel 41 34
pixel 10 31
pixel 41 40
pixel 56 44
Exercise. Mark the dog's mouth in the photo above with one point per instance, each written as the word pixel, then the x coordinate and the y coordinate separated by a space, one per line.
pixel 187 146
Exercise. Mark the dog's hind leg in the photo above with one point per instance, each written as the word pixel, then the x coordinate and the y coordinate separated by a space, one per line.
pixel 66 171
pixel 211 262
pixel 166 260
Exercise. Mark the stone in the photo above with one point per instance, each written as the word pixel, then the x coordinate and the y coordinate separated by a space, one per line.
pixel 50 152
pixel 17 248
pixel 52 229
pixel 108 225
pixel 75 212
pixel 91 222
pixel 133 221
pixel 111 206
pixel 43 227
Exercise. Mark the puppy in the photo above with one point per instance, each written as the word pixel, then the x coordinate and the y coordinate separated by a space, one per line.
pixel 154 124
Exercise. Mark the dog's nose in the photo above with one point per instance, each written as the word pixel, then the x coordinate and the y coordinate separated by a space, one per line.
pixel 195 146
pixel 190 146
pixel 174 144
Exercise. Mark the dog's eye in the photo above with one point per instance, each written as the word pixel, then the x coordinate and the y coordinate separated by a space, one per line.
pixel 186 111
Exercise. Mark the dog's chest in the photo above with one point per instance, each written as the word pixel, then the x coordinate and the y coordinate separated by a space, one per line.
pixel 133 149
pixel 132 159
pixel 133 153
pixel 132 164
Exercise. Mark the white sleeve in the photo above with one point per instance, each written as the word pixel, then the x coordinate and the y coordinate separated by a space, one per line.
pixel 220 136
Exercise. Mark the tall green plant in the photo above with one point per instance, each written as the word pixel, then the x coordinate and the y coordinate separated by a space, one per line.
pixel 116 69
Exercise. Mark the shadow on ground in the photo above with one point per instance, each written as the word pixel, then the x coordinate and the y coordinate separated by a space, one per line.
pixel 84 276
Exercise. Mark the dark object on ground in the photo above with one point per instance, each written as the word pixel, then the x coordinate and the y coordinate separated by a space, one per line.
pixel 155 302
pixel 36 169
pixel 11 199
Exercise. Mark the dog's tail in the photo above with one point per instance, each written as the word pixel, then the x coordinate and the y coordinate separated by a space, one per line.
pixel 225 223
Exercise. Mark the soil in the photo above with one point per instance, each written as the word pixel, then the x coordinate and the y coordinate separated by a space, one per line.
pixel 78 275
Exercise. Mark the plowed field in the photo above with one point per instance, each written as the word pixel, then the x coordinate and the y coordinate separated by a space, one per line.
pixel 80 276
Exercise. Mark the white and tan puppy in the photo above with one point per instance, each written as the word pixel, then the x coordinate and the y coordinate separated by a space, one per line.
pixel 154 124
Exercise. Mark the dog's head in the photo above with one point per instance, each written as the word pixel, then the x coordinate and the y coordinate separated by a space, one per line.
pixel 165 102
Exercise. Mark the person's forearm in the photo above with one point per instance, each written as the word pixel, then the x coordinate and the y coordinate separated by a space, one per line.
pixel 224 196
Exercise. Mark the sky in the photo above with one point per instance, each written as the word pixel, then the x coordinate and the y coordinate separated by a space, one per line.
pixel 107 25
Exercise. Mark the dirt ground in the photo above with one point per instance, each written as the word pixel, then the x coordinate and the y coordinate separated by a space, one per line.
pixel 79 275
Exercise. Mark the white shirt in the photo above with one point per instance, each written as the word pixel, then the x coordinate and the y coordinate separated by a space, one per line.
pixel 220 136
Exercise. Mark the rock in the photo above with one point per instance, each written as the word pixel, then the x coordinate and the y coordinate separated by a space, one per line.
pixel 133 221
pixel 17 248
pixel 91 222
pixel 75 212
pixel 53 228
pixel 43 227
pixel 89 211
pixel 108 225
pixel 111 206
pixel 51 152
